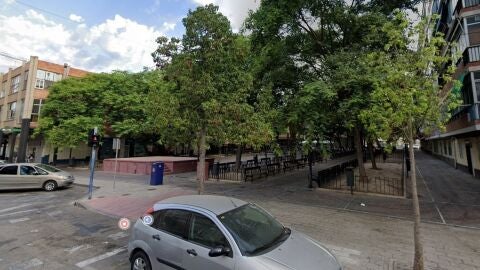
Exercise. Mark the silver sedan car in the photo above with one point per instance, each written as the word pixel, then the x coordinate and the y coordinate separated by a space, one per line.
pixel 217 233
pixel 33 175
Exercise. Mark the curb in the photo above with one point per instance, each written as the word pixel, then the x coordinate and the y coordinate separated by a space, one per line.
pixel 84 185
pixel 82 205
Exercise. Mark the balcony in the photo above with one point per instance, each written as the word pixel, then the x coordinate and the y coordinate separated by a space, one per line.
pixel 473 112
pixel 471 54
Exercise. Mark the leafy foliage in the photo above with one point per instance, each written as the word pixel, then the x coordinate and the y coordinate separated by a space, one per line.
pixel 113 102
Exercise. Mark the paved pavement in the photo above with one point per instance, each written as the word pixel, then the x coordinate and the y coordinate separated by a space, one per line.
pixel 43 230
pixel 454 194
pixel 365 231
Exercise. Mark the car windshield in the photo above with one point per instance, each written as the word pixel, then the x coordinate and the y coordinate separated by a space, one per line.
pixel 253 229
pixel 48 168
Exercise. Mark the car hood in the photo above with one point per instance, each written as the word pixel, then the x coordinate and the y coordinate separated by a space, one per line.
pixel 299 252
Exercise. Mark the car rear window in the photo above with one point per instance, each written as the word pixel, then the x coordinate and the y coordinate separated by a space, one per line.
pixel 10 170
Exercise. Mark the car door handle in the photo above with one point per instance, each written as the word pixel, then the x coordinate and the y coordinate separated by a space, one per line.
pixel 192 252
pixel 156 237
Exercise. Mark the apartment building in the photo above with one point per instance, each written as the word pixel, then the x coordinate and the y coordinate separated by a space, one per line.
pixel 459 144
pixel 23 91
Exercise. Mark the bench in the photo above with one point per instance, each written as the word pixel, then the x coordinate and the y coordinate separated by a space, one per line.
pixel 289 165
pixel 301 162
pixel 250 172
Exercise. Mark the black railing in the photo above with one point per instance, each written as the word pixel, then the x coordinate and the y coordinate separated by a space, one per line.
pixel 335 178
pixel 378 184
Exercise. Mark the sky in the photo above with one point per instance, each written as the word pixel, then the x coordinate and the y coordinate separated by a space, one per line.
pixel 98 35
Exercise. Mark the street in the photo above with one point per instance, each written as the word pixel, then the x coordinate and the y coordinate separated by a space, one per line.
pixel 43 230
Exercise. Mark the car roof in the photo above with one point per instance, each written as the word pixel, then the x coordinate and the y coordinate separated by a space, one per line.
pixel 24 163
pixel 216 204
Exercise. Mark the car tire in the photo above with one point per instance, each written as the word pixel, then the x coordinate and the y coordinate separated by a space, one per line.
pixel 140 261
pixel 50 185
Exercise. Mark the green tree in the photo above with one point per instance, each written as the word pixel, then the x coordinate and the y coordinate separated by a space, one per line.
pixel 211 82
pixel 113 102
pixel 298 42
pixel 407 100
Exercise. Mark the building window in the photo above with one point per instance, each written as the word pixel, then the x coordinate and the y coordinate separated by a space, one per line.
pixel 3 90
pixel 11 110
pixel 15 84
pixel 36 109
pixel 473 26
pixel 450 148
pixel 45 79
pixel 25 80
pixel 445 148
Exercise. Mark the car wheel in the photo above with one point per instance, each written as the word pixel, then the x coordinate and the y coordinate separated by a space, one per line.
pixel 50 185
pixel 140 261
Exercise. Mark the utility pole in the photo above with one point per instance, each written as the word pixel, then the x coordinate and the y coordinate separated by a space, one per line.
pixel 93 141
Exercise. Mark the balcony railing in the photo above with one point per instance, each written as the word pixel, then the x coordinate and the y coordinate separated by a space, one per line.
pixel 471 54
pixel 470 3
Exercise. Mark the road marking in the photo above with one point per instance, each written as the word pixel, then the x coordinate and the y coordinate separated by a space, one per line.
pixel 87 262
pixel 19 212
pixel 77 248
pixel 15 207
pixel 54 213
pixel 28 264
pixel 118 235
pixel 431 196
pixel 13 221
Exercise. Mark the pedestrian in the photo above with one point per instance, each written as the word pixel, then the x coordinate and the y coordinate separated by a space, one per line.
pixel 31 158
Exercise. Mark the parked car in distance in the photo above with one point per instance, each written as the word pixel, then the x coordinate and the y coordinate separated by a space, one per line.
pixel 33 175
pixel 220 233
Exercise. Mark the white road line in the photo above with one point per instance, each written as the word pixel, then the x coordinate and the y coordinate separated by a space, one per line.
pixel 15 207
pixel 13 221
pixel 77 248
pixel 87 262
pixel 19 212
pixel 28 264
pixel 118 235
pixel 54 213
pixel 431 196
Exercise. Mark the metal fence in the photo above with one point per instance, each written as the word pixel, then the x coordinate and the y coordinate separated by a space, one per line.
pixel 335 178
pixel 254 168
pixel 378 185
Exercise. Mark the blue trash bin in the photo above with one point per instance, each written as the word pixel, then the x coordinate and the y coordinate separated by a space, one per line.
pixel 156 175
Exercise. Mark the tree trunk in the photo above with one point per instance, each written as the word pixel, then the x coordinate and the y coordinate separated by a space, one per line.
pixel 238 158
pixel 372 155
pixel 202 149
pixel 359 152
pixel 418 260
pixel 70 160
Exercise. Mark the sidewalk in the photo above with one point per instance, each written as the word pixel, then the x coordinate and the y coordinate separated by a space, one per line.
pixel 365 232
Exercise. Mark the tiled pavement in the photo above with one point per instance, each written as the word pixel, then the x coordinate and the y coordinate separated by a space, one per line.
pixel 377 235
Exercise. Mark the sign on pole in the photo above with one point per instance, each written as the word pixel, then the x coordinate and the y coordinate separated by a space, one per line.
pixel 116 144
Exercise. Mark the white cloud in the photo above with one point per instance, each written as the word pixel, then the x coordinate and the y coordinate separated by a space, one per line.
pixel 168 26
pixel 75 18
pixel 118 43
pixel 235 10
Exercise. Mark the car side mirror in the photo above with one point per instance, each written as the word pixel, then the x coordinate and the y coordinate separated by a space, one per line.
pixel 219 251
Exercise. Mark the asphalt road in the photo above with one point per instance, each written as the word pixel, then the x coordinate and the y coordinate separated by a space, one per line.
pixel 44 230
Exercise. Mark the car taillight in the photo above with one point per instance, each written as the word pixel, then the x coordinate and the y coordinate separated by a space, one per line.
pixel 149 211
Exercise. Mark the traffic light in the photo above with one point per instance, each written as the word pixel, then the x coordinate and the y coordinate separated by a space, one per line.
pixel 93 139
